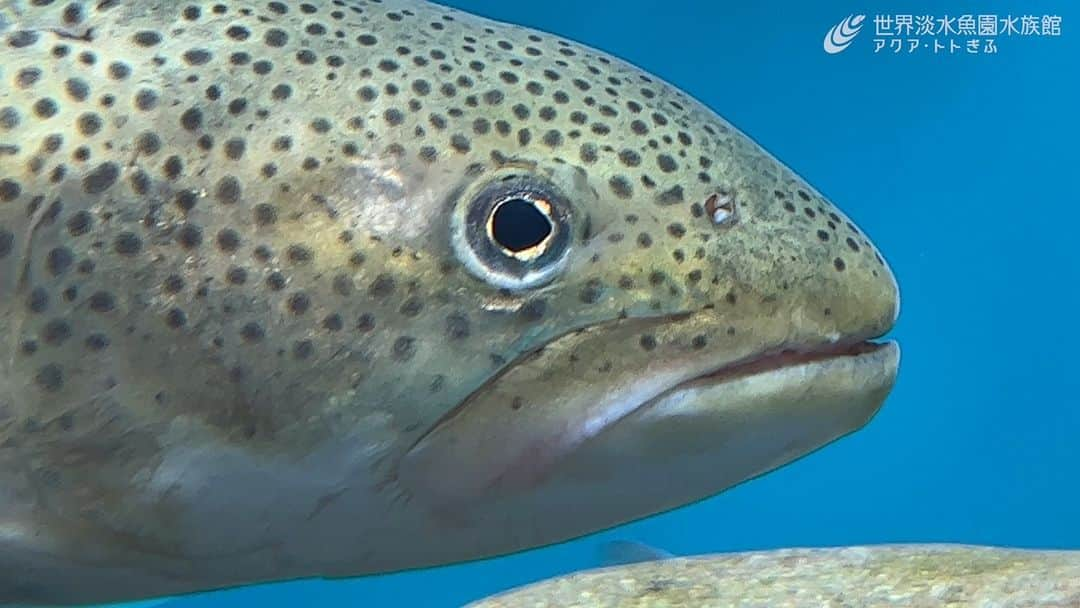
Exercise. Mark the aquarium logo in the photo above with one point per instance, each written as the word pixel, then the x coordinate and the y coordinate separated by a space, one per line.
pixel 842 34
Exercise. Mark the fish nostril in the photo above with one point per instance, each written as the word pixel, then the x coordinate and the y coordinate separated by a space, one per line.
pixel 721 209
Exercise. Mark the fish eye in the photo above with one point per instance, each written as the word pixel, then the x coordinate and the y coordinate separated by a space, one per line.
pixel 514 232
pixel 521 226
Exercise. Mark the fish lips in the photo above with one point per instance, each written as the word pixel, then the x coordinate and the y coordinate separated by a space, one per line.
pixel 556 431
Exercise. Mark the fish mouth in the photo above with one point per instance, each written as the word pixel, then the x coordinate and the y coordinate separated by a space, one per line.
pixel 789 357
pixel 561 417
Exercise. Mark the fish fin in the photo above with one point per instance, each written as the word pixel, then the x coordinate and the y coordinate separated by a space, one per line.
pixel 620 552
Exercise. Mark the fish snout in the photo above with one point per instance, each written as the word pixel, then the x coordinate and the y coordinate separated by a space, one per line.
pixel 807 265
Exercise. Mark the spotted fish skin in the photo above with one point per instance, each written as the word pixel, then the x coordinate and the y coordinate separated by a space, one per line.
pixel 231 300
pixel 896 576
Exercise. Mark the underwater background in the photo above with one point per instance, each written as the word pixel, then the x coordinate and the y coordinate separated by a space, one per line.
pixel 963 170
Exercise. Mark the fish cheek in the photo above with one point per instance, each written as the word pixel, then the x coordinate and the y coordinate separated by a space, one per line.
pixel 506 439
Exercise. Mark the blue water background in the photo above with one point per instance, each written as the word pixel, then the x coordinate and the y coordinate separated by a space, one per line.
pixel 963 170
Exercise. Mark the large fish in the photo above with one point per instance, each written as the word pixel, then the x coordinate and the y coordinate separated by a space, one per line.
pixel 882 576
pixel 294 289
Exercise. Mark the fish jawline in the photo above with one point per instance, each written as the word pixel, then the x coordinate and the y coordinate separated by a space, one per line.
pixel 484 449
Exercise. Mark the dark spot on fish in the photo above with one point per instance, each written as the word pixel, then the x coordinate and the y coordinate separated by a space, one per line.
pixel 647 342
pixel 50 378
pixel 404 348
pixel 101 179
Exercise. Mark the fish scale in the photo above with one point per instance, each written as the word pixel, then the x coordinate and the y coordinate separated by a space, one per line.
pixel 237 289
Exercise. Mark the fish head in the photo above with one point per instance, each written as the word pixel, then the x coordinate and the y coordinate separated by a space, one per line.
pixel 669 308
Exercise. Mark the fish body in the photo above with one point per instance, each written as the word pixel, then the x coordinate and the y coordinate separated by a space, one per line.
pixel 894 576
pixel 294 289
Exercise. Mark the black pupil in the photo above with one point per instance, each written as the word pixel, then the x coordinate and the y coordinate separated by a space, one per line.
pixel 519 225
